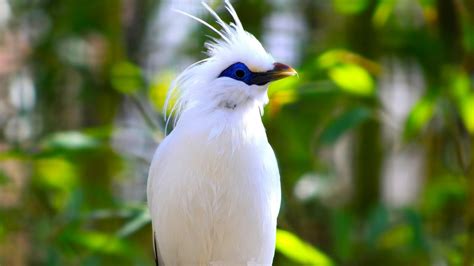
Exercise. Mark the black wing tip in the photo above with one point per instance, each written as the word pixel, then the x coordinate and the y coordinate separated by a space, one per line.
pixel 155 250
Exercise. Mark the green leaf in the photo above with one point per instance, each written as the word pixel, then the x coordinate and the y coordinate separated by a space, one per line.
pixel 377 224
pixel 420 115
pixel 288 84
pixel 344 123
pixel 335 56
pixel 350 7
pixel 281 93
pixel 341 224
pixel 158 91
pixel 126 77
pixel 142 219
pixel 460 85
pixel 56 172
pixel 299 251
pixel 464 99
pixel 58 177
pixel 414 219
pixel 353 79
pixel 72 140
pixel 382 12
pixel 443 192
pixel 100 242
pixel 467 112
pixel 397 236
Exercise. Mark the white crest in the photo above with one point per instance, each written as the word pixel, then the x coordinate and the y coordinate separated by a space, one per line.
pixel 193 85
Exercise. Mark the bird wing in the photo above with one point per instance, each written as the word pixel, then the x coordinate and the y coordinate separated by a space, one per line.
pixel 156 251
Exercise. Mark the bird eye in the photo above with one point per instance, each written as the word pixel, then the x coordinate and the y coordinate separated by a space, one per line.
pixel 239 73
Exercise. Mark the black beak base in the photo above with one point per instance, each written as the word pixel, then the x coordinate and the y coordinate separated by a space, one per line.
pixel 279 71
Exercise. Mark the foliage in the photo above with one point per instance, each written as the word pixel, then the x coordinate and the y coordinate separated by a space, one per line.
pixel 300 252
pixel 379 80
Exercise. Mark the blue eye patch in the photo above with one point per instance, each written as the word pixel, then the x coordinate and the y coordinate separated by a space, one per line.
pixel 239 71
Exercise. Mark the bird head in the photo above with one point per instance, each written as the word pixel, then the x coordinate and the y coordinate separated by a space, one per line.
pixel 235 75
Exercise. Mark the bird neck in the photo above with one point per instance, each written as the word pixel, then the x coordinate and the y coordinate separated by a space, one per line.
pixel 240 124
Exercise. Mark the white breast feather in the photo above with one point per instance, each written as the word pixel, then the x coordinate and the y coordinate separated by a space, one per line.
pixel 215 199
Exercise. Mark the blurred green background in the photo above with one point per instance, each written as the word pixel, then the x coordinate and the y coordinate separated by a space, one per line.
pixel 374 140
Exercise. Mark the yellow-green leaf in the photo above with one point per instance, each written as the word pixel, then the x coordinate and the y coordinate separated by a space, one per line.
pixel 126 77
pixel 159 90
pixel 350 7
pixel 464 99
pixel 299 251
pixel 382 12
pixel 461 86
pixel 59 177
pixel 333 57
pixel 420 115
pixel 101 242
pixel 353 79
pixel 398 236
pixel 467 112
pixel 283 91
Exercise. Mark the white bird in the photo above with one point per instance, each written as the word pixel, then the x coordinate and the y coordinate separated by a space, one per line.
pixel 214 185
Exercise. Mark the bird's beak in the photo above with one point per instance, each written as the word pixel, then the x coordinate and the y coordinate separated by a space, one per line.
pixel 279 71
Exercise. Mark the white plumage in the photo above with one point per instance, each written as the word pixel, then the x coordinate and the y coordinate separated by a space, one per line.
pixel 214 186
